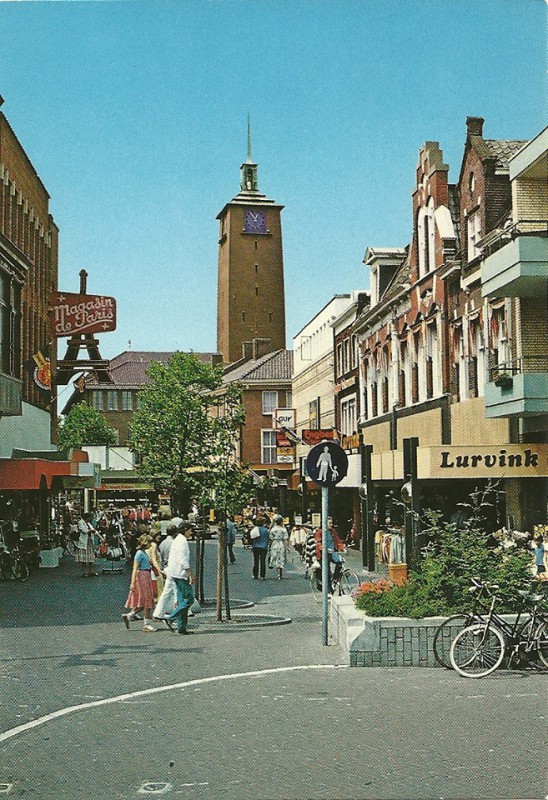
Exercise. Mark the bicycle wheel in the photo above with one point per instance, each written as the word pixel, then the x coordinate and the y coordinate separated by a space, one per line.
pixel 443 638
pixel 348 581
pixel 541 636
pixel 20 570
pixel 477 650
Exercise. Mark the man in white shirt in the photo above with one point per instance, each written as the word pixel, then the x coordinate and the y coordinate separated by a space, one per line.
pixel 178 569
pixel 168 599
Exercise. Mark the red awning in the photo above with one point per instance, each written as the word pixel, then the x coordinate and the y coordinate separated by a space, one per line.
pixel 29 473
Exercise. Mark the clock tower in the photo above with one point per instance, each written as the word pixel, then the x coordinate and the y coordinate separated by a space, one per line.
pixel 250 294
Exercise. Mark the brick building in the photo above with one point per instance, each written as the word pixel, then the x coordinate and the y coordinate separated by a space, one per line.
pixel 431 340
pixel 250 299
pixel 28 274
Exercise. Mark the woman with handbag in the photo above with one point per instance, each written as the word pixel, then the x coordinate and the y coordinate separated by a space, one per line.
pixel 85 546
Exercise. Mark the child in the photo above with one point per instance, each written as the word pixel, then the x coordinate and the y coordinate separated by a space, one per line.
pixel 540 552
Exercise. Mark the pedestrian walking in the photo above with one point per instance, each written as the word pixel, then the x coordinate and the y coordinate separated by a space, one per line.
pixel 231 538
pixel 155 571
pixel 85 545
pixel 259 546
pixel 167 600
pixel 141 593
pixel 178 568
pixel 278 538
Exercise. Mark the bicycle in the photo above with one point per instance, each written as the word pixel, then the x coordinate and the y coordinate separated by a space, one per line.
pixel 479 649
pixel 12 565
pixel 342 580
pixel 451 626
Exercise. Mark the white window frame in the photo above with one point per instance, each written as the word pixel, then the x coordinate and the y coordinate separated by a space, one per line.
pixel 268 446
pixel 127 400
pixel 97 401
pixel 348 415
pixel 269 406
pixel 473 231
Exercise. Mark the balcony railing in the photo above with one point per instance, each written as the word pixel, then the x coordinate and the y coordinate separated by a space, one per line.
pixel 519 366
pixel 496 239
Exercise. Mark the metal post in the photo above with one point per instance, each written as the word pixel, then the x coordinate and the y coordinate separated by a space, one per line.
pixel 325 564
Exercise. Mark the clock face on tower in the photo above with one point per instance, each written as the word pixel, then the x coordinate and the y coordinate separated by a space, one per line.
pixel 255 221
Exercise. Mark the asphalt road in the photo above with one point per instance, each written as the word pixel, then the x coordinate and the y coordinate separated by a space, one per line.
pixel 90 710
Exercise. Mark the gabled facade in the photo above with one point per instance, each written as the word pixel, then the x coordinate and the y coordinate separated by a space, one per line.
pixel 431 341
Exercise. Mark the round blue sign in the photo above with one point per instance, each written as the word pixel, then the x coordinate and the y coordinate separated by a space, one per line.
pixel 327 464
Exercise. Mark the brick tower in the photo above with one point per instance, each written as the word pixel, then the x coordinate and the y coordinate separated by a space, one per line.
pixel 250 295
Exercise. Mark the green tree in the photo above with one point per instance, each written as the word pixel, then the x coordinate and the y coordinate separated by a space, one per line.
pixel 82 426
pixel 185 429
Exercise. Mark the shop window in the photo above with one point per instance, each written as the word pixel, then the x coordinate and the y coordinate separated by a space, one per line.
pixel 270 402
pixel 268 447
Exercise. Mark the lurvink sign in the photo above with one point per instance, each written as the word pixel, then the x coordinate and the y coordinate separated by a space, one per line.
pixel 73 314
pixel 508 461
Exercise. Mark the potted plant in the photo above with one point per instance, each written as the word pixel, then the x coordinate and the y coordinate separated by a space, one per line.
pixel 503 379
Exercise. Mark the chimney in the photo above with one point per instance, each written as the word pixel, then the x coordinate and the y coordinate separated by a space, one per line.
pixel 216 359
pixel 261 347
pixel 474 126
pixel 247 351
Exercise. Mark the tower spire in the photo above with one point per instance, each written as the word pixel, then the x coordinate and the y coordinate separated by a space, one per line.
pixel 249 154
pixel 248 180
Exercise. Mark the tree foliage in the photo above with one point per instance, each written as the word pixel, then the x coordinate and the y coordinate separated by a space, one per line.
pixel 84 425
pixel 186 429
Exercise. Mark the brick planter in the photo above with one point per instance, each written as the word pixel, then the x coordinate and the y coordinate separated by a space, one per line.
pixel 382 641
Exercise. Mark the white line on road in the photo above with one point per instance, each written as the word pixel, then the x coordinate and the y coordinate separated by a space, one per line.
pixel 63 712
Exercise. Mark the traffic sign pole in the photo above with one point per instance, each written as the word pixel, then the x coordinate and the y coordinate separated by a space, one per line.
pixel 325 565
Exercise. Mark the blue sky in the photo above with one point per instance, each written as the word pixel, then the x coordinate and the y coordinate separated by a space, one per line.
pixel 135 113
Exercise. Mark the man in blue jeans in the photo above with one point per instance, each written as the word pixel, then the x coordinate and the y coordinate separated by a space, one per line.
pixel 178 568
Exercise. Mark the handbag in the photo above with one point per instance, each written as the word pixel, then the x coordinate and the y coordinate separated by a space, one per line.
pixel 255 533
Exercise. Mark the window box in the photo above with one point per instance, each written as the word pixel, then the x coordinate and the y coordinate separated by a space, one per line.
pixel 503 380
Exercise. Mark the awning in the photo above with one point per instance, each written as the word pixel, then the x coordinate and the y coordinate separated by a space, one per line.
pixel 30 474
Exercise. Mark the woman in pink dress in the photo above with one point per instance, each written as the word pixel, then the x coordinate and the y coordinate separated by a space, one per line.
pixel 141 592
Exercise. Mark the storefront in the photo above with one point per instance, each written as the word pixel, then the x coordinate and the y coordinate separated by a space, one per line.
pixel 444 478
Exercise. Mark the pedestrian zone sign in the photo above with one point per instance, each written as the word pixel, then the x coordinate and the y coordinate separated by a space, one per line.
pixel 327 464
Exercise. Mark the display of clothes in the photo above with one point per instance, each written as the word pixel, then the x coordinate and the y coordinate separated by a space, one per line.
pixel 389 547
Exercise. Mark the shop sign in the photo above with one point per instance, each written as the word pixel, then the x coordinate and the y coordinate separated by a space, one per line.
pixel 73 314
pixel 352 442
pixel 283 441
pixel 284 418
pixel 315 436
pixel 510 461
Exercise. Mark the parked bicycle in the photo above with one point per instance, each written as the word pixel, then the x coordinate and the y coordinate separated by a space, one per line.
pixel 12 564
pixel 342 579
pixel 479 649
pixel 450 627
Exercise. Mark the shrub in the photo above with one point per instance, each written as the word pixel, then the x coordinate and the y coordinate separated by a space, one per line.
pixel 440 582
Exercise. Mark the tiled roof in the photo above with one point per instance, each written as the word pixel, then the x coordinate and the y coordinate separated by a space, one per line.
pixel 276 366
pixel 128 369
pixel 500 149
